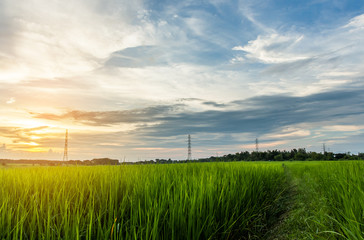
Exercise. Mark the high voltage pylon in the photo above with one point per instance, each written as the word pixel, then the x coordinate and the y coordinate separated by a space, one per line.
pixel 189 148
pixel 65 153
pixel 324 148
pixel 256 145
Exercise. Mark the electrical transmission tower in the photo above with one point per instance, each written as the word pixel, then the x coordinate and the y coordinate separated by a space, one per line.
pixel 256 145
pixel 189 148
pixel 65 154
pixel 324 148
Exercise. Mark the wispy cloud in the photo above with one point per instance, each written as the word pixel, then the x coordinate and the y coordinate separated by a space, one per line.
pixel 65 40
pixel 272 48
pixel 112 117
pixel 304 63
pixel 344 128
pixel 268 145
pixel 153 71
pixel 356 23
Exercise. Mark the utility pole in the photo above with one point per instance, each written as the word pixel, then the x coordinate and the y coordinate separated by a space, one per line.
pixel 256 145
pixel 65 153
pixel 189 148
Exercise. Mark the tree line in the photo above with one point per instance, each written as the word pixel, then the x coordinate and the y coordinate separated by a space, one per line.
pixel 299 154
pixel 294 155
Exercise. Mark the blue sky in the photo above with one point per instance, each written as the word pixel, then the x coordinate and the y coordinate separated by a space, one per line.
pixel 132 79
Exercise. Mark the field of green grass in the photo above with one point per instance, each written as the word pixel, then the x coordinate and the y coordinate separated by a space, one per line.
pixel 328 201
pixel 236 200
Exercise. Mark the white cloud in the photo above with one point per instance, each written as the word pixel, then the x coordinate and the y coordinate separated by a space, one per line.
pixel 237 59
pixel 290 133
pixel 246 8
pixel 196 25
pixel 272 48
pixel 338 74
pixel 57 39
pixel 166 83
pixel 304 63
pixel 265 145
pixel 343 128
pixel 10 101
pixel 356 22
pixel 57 51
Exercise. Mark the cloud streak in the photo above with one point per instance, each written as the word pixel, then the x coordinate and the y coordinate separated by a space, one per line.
pixel 258 115
pixel 272 48
pixel 112 117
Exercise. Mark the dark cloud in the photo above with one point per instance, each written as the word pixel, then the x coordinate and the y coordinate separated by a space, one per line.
pixel 214 104
pixel 265 114
pixel 143 115
pixel 189 99
pixel 258 115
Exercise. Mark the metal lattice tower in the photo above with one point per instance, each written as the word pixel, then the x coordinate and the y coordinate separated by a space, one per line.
pixel 256 145
pixel 324 148
pixel 65 154
pixel 189 148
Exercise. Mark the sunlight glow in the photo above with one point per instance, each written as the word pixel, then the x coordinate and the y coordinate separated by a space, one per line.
pixel 37 150
pixel 13 74
pixel 28 123
pixel 35 137
pixel 30 143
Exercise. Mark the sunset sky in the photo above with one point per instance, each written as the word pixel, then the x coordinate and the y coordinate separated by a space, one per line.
pixel 131 79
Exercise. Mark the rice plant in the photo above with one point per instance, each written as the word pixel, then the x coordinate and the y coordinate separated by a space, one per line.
pixel 178 201
pixel 330 200
pixel 343 185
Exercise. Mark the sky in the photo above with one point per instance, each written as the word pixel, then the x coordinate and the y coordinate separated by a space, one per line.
pixel 131 79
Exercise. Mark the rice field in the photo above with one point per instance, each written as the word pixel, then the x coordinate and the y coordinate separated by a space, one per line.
pixel 236 200
pixel 182 201
pixel 336 195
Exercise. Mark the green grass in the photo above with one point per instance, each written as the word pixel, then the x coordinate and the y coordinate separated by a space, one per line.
pixel 307 213
pixel 182 201
pixel 342 184
pixel 237 200
pixel 327 201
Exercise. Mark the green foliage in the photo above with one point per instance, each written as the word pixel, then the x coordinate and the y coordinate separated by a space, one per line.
pixel 276 155
pixel 185 201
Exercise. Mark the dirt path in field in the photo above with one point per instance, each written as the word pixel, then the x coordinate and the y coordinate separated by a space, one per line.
pixel 305 215
pixel 281 230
